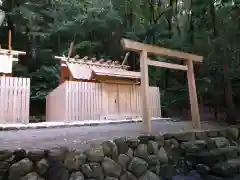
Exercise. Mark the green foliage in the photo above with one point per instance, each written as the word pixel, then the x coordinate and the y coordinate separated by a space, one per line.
pixel 206 27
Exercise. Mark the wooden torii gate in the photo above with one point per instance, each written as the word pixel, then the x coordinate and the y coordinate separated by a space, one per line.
pixel 144 50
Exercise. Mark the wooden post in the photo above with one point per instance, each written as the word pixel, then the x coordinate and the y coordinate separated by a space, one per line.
pixel 145 93
pixel 10 41
pixel 193 95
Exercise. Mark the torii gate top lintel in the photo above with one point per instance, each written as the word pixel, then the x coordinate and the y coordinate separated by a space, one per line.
pixel 130 45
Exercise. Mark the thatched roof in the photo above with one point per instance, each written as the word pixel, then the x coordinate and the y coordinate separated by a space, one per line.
pixel 86 68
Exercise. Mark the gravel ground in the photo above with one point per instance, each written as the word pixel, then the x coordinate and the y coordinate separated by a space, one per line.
pixel 80 137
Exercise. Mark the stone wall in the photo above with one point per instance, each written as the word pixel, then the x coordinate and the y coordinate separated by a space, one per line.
pixel 193 155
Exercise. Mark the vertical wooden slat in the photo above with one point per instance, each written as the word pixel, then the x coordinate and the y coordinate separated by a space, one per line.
pixel 9 98
pixel 63 115
pixel 154 91
pixel 85 110
pixel 24 94
pixel 77 101
pixel 66 100
pixel 100 100
pixel 159 103
pixel 81 93
pixel 81 101
pixel 15 100
pixel 84 101
pixel 90 105
pixel 70 101
pixel 90 101
pixel 1 100
pixel 18 99
pixel 5 101
pixel 26 88
pixel 74 89
pixel 94 101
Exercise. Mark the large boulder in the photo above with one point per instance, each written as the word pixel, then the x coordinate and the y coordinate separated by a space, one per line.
pixel 20 169
pixel 167 171
pixel 124 160
pixel 142 151
pixel 5 154
pixel 58 154
pixel 138 166
pixel 133 142
pixel 149 176
pixel 93 170
pixel 221 142
pixel 74 160
pixel 42 167
pixel 57 171
pixel 232 133
pixel 202 169
pixel 227 168
pixel 111 168
pixel 31 176
pixel 110 149
pixel 144 139
pixel 159 139
pixel 152 147
pixel 152 160
pixel 194 146
pixel 111 178
pixel 128 176
pixel 20 154
pixel 121 144
pixel 162 156
pixel 76 176
pixel 95 153
pixel 36 155
pixel 5 165
pixel 130 152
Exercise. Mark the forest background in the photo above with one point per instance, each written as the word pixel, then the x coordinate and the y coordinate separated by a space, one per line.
pixel 210 28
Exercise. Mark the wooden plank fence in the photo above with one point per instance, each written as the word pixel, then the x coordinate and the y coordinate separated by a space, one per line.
pixel 77 101
pixel 5 64
pixel 14 100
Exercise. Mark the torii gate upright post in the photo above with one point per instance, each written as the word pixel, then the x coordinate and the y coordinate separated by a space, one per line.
pixel 144 50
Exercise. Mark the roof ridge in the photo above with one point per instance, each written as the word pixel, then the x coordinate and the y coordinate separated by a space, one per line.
pixel 93 62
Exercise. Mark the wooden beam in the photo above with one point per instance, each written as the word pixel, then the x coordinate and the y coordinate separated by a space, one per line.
pixel 193 96
pixel 6 51
pixel 146 119
pixel 70 49
pixel 9 41
pixel 125 58
pixel 167 65
pixel 130 45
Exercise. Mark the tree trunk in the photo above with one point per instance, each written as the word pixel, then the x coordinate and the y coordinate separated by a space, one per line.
pixel 228 97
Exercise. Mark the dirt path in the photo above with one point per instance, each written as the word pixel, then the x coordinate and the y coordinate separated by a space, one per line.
pixel 78 137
